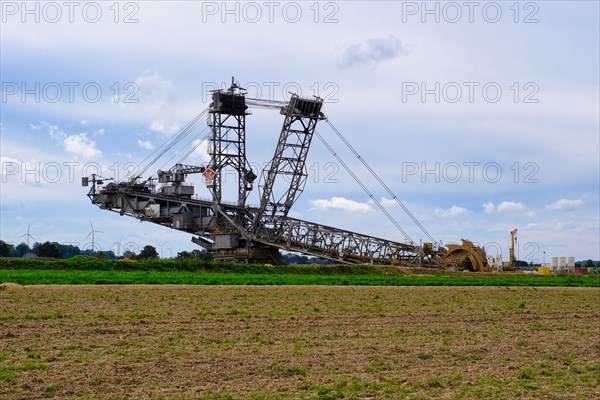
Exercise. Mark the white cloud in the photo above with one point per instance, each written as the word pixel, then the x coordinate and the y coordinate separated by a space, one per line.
pixel 154 84
pixel 152 89
pixel 489 208
pixel 340 203
pixel 163 127
pixel 82 146
pixel 384 201
pixel 388 202
pixel 505 207
pixel 145 144
pixel 510 206
pixel 53 130
pixel 453 211
pixel 373 51
pixel 200 150
pixel 79 145
pixel 11 167
pixel 22 172
pixel 8 165
pixel 564 205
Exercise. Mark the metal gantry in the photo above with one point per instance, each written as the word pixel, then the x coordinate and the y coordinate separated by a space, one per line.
pixel 227 119
pixel 236 231
pixel 288 163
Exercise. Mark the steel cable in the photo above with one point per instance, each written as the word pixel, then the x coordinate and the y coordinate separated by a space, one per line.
pixel 394 197
pixel 362 185
pixel 172 142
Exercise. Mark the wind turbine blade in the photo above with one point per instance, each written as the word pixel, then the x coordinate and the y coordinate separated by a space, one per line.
pixel 88 235
pixel 91 224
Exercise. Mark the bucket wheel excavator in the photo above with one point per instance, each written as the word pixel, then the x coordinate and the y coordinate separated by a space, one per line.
pixel 465 257
pixel 236 231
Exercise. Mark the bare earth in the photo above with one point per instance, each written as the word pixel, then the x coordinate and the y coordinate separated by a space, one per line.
pixel 189 342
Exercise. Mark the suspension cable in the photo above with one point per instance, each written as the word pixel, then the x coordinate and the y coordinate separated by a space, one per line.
pixel 187 146
pixel 163 145
pixel 184 132
pixel 194 147
pixel 176 139
pixel 362 185
pixel 394 197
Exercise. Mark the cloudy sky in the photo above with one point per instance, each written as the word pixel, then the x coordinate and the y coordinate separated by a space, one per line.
pixel 481 118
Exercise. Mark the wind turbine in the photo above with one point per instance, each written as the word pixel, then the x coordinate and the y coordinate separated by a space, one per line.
pixel 170 251
pixel 161 249
pixel 119 245
pixel 28 235
pixel 92 233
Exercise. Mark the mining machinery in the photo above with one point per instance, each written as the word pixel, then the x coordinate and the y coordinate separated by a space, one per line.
pixel 512 258
pixel 465 256
pixel 236 231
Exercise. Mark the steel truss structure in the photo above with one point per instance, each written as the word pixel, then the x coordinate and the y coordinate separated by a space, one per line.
pixel 196 217
pixel 238 232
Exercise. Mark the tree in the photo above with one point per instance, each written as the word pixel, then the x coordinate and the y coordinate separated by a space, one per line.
pixel 101 255
pixel 183 255
pixel 129 255
pixel 6 249
pixel 301 259
pixel 588 263
pixel 22 249
pixel 148 252
pixel 521 263
pixel 68 250
pixel 47 249
pixel 199 255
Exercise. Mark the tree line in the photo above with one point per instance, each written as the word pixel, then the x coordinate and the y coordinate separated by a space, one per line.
pixel 62 251
pixel 149 252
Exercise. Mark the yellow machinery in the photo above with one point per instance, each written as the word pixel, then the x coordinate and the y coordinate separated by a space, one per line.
pixel 465 256
pixel 512 260
pixel 468 256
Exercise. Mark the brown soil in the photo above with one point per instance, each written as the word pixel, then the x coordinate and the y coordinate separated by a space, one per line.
pixel 184 342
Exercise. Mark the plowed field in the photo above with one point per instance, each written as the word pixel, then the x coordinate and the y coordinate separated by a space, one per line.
pixel 240 342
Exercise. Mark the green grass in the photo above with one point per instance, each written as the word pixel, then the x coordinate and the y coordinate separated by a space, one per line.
pixel 33 277
pixel 84 263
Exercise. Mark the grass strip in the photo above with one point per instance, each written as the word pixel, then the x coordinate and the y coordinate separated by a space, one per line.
pixel 63 277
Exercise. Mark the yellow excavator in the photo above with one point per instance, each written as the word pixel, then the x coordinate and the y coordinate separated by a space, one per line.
pixel 465 257
pixel 470 257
